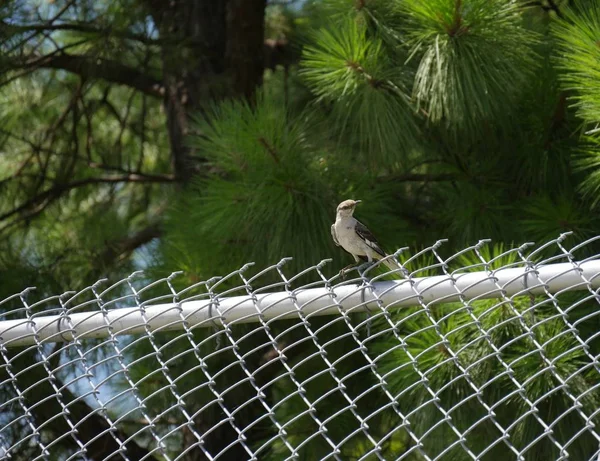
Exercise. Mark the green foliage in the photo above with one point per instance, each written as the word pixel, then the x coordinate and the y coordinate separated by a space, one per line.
pixel 489 257
pixel 579 57
pixel 588 161
pixel 426 358
pixel 344 61
pixel 348 67
pixel 265 196
pixel 474 55
pixel 72 243
pixel 476 211
pixel 545 216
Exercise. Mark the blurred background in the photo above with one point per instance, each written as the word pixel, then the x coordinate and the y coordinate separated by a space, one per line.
pixel 198 135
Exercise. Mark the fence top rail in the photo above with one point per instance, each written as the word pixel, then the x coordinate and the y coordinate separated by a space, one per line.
pixel 101 319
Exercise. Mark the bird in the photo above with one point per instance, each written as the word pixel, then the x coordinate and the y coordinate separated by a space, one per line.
pixel 354 237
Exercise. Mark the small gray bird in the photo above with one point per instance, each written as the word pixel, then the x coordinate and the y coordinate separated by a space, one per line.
pixel 355 238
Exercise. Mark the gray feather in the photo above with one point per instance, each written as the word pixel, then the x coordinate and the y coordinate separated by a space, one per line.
pixel 367 236
pixel 335 240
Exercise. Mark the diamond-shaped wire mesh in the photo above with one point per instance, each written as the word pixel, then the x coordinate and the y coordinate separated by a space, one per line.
pixel 484 354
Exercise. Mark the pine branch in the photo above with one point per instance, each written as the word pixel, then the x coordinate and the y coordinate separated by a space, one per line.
pixel 118 251
pixel 88 28
pixel 276 52
pixel 36 204
pixel 85 160
pixel 89 67
pixel 269 148
pixel 356 67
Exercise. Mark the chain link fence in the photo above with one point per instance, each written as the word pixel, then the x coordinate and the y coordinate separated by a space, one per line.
pixel 486 354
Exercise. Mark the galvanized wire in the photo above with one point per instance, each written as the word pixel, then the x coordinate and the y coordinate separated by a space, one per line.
pixel 273 365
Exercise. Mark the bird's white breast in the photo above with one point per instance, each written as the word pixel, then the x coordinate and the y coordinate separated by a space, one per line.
pixel 346 235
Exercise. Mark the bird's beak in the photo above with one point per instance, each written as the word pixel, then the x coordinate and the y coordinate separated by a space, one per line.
pixel 356 202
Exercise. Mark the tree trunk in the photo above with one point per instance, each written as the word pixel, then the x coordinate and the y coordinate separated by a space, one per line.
pixel 215 51
pixel 245 45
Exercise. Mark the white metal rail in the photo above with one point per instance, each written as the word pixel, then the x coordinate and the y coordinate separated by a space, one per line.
pixel 351 297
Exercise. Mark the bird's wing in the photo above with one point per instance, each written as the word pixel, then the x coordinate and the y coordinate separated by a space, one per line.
pixel 365 234
pixel 335 240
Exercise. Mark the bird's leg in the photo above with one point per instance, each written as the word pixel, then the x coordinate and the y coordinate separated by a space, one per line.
pixel 368 263
pixel 365 266
pixel 343 271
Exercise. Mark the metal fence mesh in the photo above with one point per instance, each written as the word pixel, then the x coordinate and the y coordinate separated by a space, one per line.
pixel 271 365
